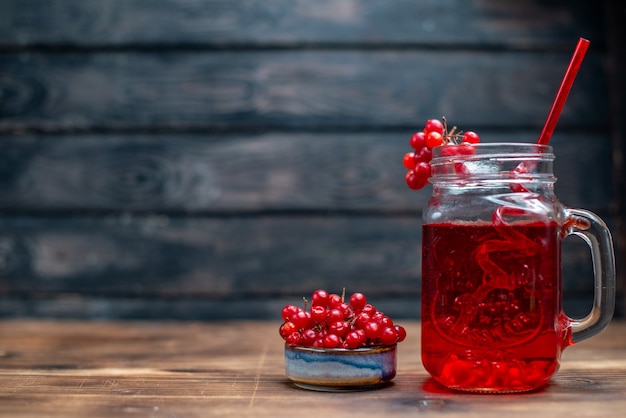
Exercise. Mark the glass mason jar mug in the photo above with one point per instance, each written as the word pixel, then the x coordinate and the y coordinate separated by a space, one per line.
pixel 492 317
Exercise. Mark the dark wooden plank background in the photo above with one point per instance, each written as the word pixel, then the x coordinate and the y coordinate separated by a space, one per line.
pixel 216 159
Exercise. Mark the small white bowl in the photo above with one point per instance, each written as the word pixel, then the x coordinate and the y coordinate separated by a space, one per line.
pixel 340 369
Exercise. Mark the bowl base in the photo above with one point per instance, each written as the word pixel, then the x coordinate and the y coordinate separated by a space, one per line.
pixel 322 388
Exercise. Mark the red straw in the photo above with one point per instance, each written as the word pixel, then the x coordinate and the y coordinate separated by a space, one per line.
pixel 561 95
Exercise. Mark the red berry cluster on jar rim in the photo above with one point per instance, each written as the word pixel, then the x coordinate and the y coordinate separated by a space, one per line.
pixel 434 134
pixel 331 322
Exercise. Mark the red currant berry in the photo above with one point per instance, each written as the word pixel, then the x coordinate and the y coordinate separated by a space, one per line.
pixel 362 319
pixel 388 336
pixel 409 160
pixel 308 337
pixel 319 297
pixel 414 181
pixel 471 137
pixel 334 300
pixel 301 319
pixel 377 316
pixel 339 328
pixel 288 311
pixel 372 330
pixel 362 335
pixel 423 170
pixel 286 329
pixel 423 156
pixel 401 332
pixel 449 150
pixel 331 341
pixel 294 339
pixel 345 309
pixel 384 321
pixel 334 315
pixel 358 301
pixel 418 140
pixel 466 148
pixel 369 309
pixel 318 313
pixel 433 125
pixel 353 340
pixel 434 139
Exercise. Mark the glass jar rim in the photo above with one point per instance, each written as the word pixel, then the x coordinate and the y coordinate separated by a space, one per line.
pixel 495 161
pixel 508 150
pixel 500 146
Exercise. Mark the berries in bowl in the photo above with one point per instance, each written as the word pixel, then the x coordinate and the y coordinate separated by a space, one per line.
pixel 339 345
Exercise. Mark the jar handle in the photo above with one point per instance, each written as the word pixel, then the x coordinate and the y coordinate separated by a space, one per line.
pixel 595 233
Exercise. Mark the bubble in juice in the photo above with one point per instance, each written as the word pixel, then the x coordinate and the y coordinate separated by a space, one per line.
pixel 490 304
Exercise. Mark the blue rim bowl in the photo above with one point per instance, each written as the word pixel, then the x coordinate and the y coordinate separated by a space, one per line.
pixel 340 369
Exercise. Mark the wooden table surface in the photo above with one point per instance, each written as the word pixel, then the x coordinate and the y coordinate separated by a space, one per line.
pixel 236 369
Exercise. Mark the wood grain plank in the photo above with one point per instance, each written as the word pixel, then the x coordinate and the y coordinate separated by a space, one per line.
pixel 577 303
pixel 166 173
pixel 191 261
pixel 99 369
pixel 212 257
pixel 219 22
pixel 189 222
pixel 616 66
pixel 294 90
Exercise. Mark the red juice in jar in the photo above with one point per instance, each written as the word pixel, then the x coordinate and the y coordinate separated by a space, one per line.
pixel 490 302
pixel 492 318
